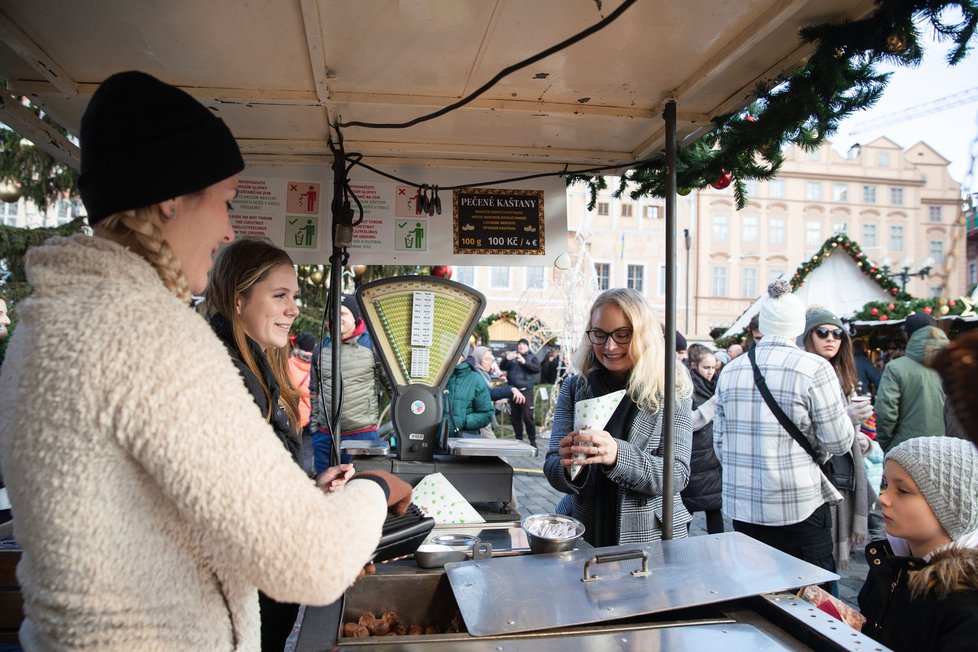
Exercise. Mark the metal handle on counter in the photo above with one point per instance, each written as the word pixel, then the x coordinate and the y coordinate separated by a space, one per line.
pixel 624 555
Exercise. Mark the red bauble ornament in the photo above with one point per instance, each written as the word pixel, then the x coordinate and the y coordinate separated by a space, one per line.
pixel 750 118
pixel 891 306
pixel 893 290
pixel 845 246
pixel 928 310
pixel 874 311
pixel 951 303
pixel 884 318
pixel 443 271
pixel 724 180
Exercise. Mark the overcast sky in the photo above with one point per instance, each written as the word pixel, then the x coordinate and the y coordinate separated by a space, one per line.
pixel 950 132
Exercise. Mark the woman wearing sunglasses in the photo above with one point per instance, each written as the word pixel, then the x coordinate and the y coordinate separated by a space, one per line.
pixel 617 493
pixel 826 337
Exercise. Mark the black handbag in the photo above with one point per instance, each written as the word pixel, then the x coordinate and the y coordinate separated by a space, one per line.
pixel 839 469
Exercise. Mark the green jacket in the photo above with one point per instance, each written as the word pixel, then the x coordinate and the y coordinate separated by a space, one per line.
pixel 910 399
pixel 468 395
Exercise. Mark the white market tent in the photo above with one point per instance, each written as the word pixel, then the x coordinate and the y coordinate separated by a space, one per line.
pixel 837 285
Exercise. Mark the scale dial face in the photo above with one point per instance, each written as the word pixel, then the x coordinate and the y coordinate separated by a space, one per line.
pixel 418 323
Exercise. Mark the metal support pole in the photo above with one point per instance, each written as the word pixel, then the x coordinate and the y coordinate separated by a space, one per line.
pixel 335 294
pixel 687 241
pixel 669 399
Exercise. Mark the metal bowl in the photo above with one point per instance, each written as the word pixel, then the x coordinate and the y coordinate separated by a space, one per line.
pixel 443 549
pixel 544 544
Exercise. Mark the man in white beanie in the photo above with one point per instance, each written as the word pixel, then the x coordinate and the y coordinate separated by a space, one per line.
pixel 772 488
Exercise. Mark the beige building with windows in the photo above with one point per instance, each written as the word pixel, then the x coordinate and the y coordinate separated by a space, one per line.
pixel 897 204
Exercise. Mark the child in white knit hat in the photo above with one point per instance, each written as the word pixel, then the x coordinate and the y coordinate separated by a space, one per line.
pixel 922 589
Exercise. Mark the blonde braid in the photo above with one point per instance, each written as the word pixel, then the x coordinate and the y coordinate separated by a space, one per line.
pixel 135 229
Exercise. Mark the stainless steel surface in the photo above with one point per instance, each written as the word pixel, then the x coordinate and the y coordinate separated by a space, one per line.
pixel 364 447
pixel 835 630
pixel 485 447
pixel 533 525
pixel 693 638
pixel 535 592
pixel 430 555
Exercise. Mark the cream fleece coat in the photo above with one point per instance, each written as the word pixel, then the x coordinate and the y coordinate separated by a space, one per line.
pixel 151 497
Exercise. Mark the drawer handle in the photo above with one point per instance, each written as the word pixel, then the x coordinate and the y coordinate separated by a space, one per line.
pixel 624 555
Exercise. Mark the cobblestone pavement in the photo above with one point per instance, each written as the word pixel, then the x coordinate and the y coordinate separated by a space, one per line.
pixel 535 496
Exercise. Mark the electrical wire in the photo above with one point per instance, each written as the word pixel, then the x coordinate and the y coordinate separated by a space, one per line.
pixel 597 27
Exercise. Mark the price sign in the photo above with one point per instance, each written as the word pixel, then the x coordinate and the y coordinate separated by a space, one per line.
pixel 499 221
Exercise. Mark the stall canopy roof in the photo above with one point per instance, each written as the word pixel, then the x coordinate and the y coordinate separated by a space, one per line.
pixel 278 71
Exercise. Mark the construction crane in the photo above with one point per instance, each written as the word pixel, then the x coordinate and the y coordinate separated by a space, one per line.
pixel 928 108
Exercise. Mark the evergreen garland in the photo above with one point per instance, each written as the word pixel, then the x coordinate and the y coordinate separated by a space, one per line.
pixel 804 107
pixel 863 263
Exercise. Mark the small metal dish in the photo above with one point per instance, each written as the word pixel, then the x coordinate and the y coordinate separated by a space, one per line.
pixel 543 544
pixel 433 555
pixel 455 541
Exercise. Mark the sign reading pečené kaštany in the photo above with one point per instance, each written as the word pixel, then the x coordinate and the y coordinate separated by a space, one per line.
pixel 499 221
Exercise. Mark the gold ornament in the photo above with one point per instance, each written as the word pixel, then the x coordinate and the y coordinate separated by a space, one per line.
pixel 943 310
pixel 316 278
pixel 358 270
pixel 9 191
pixel 896 44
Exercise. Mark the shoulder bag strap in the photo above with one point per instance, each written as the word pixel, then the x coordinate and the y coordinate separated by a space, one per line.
pixel 783 419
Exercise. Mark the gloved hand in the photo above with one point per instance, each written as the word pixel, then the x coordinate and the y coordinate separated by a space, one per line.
pixel 859 411
pixel 398 491
pixel 865 444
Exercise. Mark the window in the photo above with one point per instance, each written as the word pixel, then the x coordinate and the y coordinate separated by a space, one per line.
pixel 882 159
pixel 662 280
pixel 937 291
pixel 869 235
pixel 720 227
pixel 636 277
pixel 534 278
pixel 751 186
pixel 626 210
pixel 813 190
pixel 813 234
pixel 66 210
pixel 840 227
pixel 840 192
pixel 499 277
pixel 776 230
pixel 602 208
pixel 775 188
pixel 869 194
pixel 813 155
pixel 896 196
pixel 653 212
pixel 465 275
pixel 896 237
pixel 774 275
pixel 750 228
pixel 748 282
pixel 936 251
pixel 719 281
pixel 972 272
pixel 8 213
pixel 603 272
pixel 934 213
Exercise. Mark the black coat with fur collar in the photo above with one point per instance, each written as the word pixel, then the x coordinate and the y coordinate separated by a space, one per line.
pixel 912 604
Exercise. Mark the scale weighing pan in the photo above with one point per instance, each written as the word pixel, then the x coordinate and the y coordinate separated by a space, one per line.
pixel 420 326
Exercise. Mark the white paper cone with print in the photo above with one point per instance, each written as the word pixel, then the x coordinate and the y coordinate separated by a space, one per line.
pixel 593 414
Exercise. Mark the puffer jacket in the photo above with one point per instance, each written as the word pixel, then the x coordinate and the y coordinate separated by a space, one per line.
pixel 468 399
pixel 705 488
pixel 910 398
pixel 361 377
pixel 143 500
pixel 913 604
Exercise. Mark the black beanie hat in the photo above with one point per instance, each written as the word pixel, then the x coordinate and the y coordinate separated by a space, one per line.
pixel 680 342
pixel 350 303
pixel 144 141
